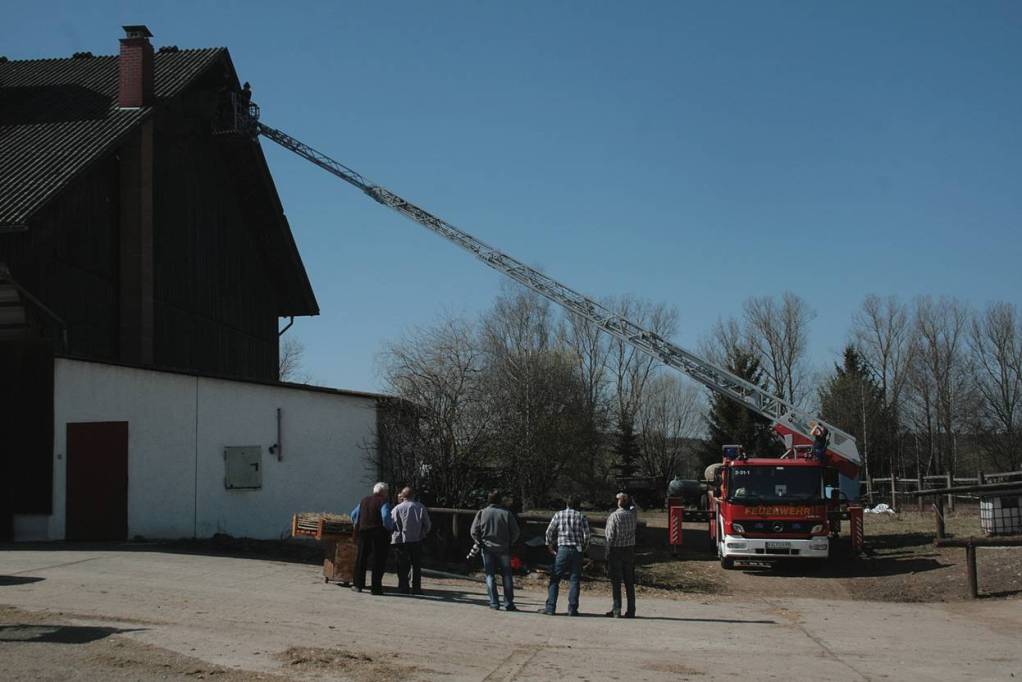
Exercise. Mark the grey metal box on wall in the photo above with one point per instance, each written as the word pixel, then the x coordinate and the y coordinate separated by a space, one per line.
pixel 243 467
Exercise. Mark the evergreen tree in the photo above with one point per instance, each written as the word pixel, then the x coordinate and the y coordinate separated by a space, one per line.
pixel 731 423
pixel 626 447
pixel 852 400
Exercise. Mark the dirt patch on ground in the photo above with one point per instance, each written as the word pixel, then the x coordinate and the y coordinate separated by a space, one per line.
pixel 357 666
pixel 674 668
pixel 28 641
pixel 900 564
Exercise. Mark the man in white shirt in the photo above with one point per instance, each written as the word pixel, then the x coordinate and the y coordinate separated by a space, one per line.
pixel 411 525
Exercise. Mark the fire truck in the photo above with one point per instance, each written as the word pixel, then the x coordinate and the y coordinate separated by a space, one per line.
pixel 758 508
pixel 766 509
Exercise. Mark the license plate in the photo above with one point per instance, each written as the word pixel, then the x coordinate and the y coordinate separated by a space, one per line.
pixel 778 545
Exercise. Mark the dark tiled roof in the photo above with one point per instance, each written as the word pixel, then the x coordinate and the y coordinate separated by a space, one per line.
pixel 58 115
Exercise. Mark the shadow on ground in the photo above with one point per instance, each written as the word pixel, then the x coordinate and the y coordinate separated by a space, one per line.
pixel 858 568
pixel 446 595
pixel 6 580
pixel 57 634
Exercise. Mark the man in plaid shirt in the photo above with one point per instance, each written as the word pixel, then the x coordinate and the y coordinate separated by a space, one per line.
pixel 567 536
pixel 621 555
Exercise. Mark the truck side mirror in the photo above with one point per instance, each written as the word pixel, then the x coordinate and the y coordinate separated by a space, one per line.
pixel 833 494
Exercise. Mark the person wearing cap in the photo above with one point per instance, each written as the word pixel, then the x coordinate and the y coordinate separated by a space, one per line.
pixel 620 533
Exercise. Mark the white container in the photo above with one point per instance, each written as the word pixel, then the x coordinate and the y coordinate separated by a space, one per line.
pixel 1001 514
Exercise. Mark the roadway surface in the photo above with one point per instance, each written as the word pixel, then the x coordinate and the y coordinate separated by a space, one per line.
pixel 243 613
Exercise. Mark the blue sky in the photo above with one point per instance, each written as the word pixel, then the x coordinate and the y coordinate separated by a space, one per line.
pixel 692 154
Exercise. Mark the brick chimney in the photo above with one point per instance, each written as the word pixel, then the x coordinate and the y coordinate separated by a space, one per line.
pixel 135 67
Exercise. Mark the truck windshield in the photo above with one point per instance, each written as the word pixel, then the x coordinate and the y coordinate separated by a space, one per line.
pixel 775 484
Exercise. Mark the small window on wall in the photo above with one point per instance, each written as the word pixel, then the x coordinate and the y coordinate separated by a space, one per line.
pixel 243 467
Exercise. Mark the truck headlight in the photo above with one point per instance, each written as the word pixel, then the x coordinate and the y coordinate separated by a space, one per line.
pixel 818 528
pixel 738 528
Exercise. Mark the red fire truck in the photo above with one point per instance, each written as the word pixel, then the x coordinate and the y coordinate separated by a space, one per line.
pixel 766 509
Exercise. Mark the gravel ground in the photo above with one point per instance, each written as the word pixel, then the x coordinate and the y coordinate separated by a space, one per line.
pixel 126 612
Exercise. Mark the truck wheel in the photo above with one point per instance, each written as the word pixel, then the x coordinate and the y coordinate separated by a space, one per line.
pixel 727 563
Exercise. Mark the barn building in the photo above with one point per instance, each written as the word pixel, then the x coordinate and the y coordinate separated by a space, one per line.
pixel 145 265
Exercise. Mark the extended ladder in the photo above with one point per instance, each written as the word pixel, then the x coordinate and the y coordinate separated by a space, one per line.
pixel 787 419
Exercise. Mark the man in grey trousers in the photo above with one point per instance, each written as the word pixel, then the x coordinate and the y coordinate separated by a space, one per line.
pixel 495 529
pixel 621 555
pixel 411 525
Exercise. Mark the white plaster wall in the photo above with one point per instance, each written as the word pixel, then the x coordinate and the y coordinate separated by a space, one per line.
pixel 323 467
pixel 178 426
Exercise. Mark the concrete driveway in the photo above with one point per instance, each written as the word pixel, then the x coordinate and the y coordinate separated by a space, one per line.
pixel 242 613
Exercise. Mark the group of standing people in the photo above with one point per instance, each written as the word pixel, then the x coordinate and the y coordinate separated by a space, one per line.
pixel 378 528
pixel 567 538
pixel 495 531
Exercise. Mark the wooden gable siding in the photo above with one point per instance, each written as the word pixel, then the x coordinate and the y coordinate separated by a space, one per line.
pixel 68 259
pixel 215 308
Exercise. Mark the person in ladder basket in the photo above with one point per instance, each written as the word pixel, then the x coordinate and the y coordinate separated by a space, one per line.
pixel 821 437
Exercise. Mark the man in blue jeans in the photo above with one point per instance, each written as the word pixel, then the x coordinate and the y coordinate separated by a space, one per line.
pixel 567 536
pixel 495 529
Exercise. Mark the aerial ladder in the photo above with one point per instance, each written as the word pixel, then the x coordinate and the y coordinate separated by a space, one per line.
pixel 793 424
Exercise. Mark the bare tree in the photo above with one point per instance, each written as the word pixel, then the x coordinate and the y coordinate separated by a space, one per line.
pixel 882 333
pixel 534 393
pixel 630 367
pixel 778 332
pixel 669 416
pixel 941 375
pixel 724 340
pixel 437 370
pixel 995 341
pixel 588 349
pixel 292 354
pixel 631 370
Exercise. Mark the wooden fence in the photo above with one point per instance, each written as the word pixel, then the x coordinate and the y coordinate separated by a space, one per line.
pixel 899 492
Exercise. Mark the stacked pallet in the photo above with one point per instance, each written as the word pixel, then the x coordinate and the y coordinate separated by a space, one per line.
pixel 320 524
pixel 336 532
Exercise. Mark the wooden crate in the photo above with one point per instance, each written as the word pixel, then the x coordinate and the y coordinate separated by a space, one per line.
pixel 337 537
pixel 339 560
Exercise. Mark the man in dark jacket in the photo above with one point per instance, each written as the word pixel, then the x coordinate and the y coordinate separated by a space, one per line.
pixel 495 529
pixel 373 526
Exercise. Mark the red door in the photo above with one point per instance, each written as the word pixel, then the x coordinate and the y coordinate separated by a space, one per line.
pixel 97 481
